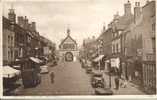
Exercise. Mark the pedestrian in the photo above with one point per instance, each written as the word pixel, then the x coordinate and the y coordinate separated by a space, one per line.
pixel 52 77
pixel 116 82
pixel 124 83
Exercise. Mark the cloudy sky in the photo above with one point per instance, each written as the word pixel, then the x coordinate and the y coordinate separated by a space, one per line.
pixel 85 18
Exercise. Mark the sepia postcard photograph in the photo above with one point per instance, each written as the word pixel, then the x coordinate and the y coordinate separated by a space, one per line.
pixel 78 48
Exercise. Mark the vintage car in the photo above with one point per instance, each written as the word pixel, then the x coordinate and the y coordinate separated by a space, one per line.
pixel 97 79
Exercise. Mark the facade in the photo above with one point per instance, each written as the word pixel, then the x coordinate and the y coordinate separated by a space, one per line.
pixel 106 45
pixel 90 48
pixel 141 46
pixel 68 49
pixel 21 39
pixel 130 41
pixel 8 41
pixel 113 38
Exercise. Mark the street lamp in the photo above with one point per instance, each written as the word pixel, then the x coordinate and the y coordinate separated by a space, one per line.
pixel 110 73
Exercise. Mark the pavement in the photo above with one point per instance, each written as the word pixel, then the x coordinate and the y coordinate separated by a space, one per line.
pixel 70 79
pixel 130 89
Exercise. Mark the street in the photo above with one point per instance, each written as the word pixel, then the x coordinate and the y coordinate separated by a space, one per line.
pixel 70 79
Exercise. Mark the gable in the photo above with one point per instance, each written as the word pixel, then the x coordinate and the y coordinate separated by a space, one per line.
pixel 69 40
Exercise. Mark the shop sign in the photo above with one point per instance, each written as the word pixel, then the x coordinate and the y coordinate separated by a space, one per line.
pixel 115 62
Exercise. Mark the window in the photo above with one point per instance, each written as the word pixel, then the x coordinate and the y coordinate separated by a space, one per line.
pixel 153 27
pixel 8 39
pixel 120 32
pixel 117 48
pixel 113 35
pixel 12 39
pixel 113 48
pixel 153 45
pixel 68 46
pixel 11 54
pixel 8 55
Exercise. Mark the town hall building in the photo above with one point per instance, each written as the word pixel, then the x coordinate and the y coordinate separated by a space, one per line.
pixel 68 49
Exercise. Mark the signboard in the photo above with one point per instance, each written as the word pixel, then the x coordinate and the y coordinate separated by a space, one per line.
pixel 115 62
pixel 139 52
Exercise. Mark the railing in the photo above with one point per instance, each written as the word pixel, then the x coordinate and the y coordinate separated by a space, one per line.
pixel 149 76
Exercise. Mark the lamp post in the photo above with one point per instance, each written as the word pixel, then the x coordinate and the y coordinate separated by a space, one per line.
pixel 110 73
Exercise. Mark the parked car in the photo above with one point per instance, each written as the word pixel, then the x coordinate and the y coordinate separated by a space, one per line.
pixel 43 59
pixel 44 69
pixel 97 79
pixel 103 91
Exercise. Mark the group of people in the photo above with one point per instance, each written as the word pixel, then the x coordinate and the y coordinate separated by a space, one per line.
pixel 119 81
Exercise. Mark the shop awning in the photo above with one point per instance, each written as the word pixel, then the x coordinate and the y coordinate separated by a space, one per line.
pixel 9 72
pixel 36 60
pixel 98 58
pixel 17 66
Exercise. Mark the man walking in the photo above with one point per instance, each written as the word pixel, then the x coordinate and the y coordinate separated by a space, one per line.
pixel 117 82
pixel 116 78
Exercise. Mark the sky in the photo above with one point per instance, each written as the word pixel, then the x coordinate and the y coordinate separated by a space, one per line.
pixel 85 18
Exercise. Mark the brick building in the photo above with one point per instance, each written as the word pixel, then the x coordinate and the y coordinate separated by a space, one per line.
pixel 130 40
pixel 140 45
pixel 21 39
pixel 8 41
pixel 68 49
pixel 90 48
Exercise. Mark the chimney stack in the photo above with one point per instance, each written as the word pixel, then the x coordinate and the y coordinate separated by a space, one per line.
pixel 26 23
pixel 20 21
pixel 33 26
pixel 137 11
pixel 12 16
pixel 116 16
pixel 127 8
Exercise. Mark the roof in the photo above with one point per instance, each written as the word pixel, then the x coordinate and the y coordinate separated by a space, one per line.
pixel 68 36
pixel 9 72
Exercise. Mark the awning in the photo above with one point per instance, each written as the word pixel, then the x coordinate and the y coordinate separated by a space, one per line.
pixel 16 66
pixel 36 60
pixel 9 72
pixel 98 58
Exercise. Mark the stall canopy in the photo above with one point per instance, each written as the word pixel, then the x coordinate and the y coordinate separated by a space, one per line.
pixel 36 60
pixel 98 58
pixel 9 72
